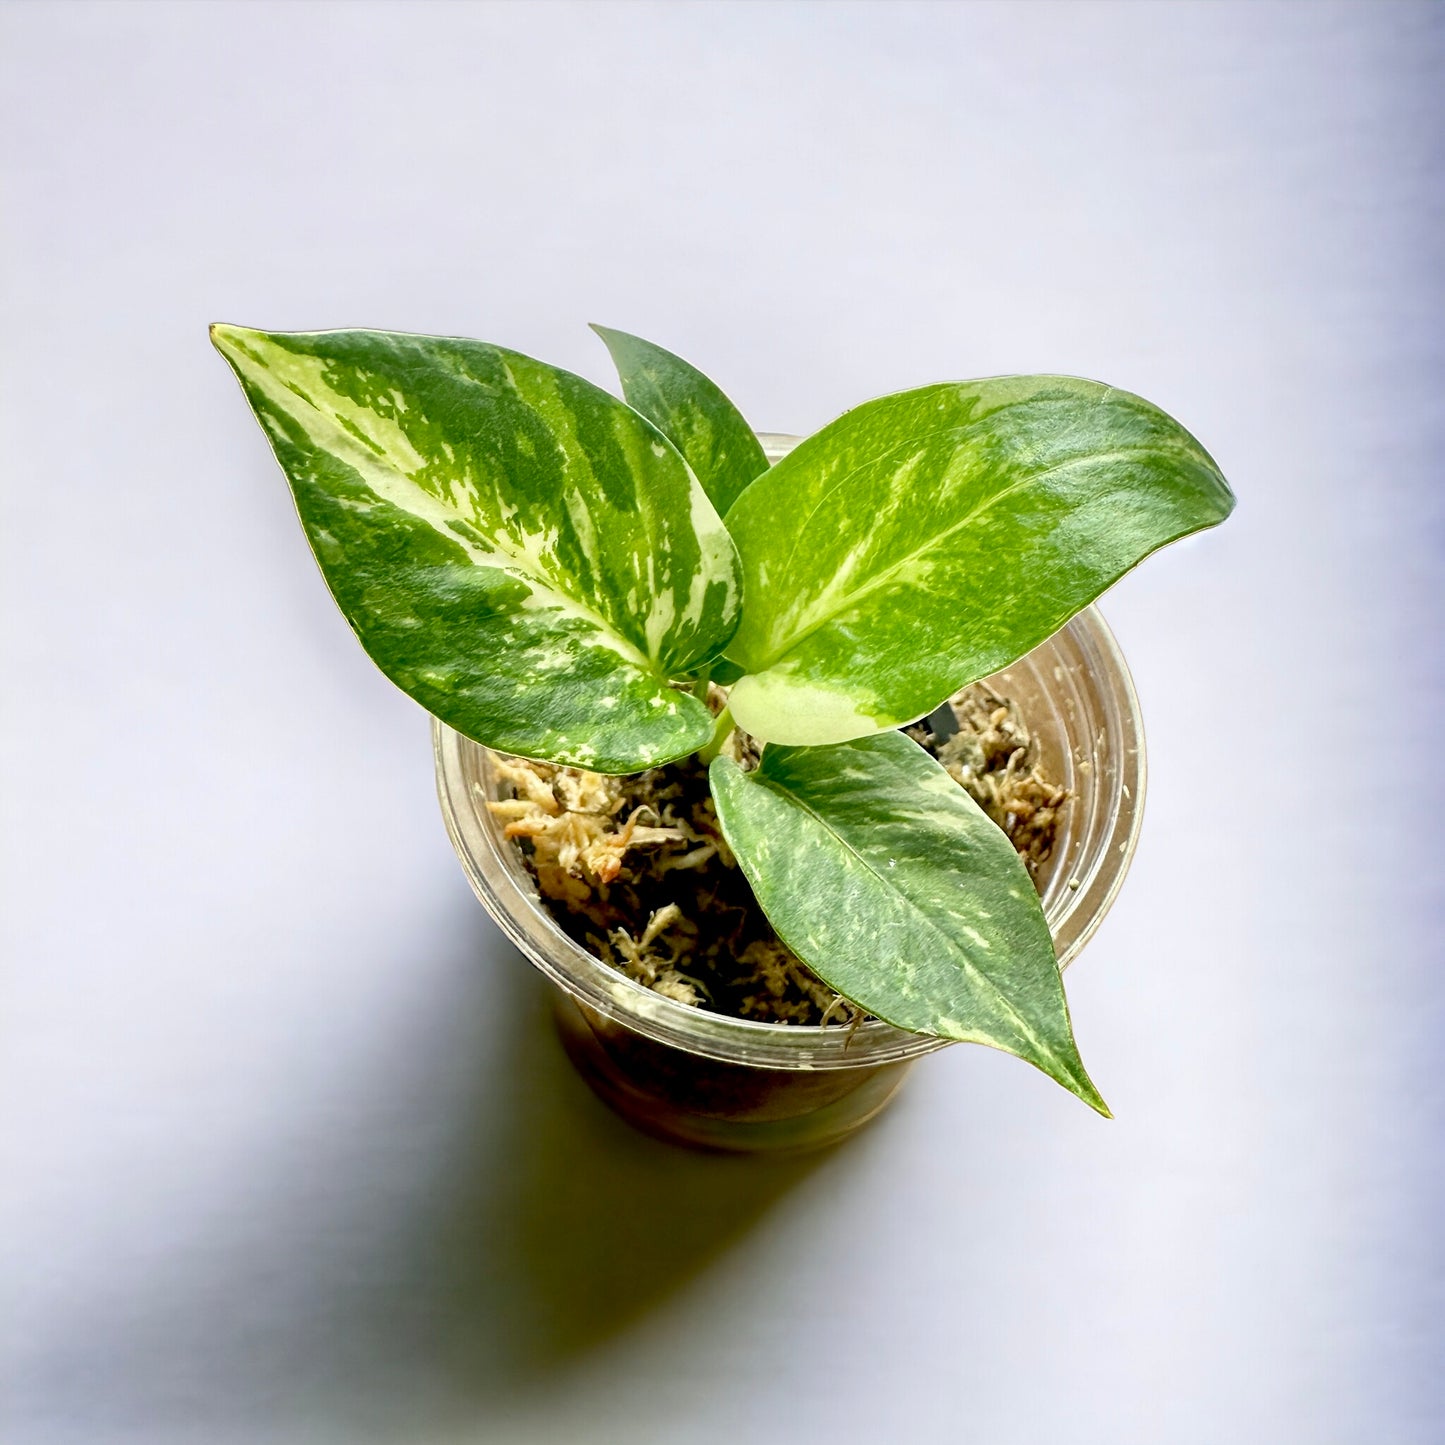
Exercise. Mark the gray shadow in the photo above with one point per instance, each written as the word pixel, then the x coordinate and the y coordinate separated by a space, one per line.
pixel 567 1224
pixel 458 1222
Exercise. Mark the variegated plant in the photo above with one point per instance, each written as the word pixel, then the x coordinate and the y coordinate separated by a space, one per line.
pixel 558 574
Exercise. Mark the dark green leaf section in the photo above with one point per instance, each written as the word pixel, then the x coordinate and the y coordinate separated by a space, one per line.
pixel 519 551
pixel 886 878
pixel 692 412
pixel 927 539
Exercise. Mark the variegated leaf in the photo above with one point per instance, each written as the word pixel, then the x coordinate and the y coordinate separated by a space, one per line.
pixel 520 552
pixel 890 882
pixel 692 411
pixel 927 539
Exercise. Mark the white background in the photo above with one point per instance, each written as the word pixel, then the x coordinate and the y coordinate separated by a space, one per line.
pixel 290 1155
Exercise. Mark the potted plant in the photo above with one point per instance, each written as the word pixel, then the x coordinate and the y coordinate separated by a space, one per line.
pixel 615 588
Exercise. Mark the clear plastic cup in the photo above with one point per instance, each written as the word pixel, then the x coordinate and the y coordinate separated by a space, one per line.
pixel 703 1079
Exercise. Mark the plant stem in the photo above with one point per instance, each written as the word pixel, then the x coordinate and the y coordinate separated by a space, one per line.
pixel 721 732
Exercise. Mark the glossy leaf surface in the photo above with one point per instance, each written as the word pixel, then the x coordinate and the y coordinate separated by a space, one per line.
pixel 927 539
pixel 889 881
pixel 520 552
pixel 692 411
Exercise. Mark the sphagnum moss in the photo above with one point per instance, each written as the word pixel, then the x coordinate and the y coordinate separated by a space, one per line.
pixel 637 869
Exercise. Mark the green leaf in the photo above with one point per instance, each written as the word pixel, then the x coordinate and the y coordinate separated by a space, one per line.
pixel 520 552
pixel 890 882
pixel 927 539
pixel 692 412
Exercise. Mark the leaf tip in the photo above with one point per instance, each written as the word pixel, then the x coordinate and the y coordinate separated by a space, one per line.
pixel 227 338
pixel 1084 1089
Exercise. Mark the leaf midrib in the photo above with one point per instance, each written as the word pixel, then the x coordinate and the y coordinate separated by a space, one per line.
pixel 970 967
pixel 882 578
pixel 915 439
pixel 515 566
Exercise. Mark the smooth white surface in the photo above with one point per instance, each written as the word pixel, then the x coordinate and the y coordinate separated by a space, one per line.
pixel 290 1154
